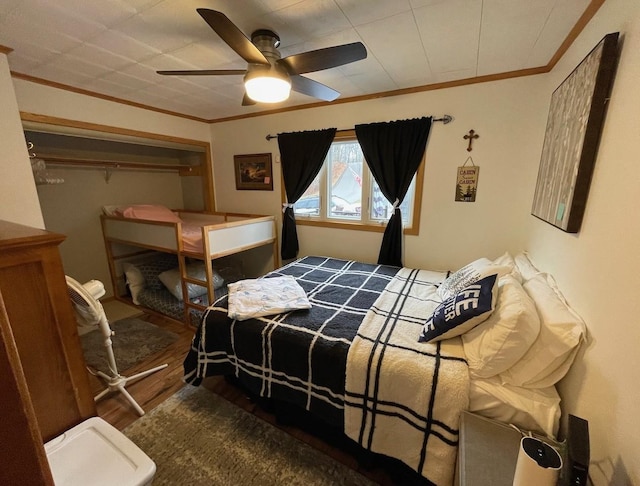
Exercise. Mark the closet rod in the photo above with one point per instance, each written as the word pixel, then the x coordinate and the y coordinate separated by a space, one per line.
pixel 444 119
pixel 110 164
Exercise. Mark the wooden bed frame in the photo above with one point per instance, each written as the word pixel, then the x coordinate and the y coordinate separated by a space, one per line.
pixel 223 234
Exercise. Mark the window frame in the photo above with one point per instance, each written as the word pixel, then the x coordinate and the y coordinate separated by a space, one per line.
pixel 335 223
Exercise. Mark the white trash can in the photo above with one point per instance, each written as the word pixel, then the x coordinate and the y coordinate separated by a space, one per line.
pixel 94 453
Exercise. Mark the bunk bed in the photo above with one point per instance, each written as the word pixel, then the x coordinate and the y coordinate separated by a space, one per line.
pixel 354 360
pixel 168 261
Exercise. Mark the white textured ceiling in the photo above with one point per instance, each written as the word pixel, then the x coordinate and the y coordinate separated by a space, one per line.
pixel 114 47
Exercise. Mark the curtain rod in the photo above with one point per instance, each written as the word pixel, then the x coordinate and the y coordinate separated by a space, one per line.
pixel 445 119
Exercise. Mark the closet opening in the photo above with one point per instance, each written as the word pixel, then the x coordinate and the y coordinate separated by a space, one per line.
pixel 80 168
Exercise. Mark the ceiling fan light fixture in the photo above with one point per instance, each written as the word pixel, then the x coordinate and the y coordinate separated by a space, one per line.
pixel 267 87
pixel 269 78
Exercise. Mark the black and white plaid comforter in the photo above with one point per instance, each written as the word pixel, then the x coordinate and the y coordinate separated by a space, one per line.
pixel 403 397
pixel 299 357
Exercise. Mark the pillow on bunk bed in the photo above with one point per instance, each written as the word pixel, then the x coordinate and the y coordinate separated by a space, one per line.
pixel 152 268
pixel 499 342
pixel 561 333
pixel 111 210
pixel 134 280
pixel 469 274
pixel 462 312
pixel 172 281
pixel 153 212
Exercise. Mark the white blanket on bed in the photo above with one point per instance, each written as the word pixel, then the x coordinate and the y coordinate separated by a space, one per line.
pixel 403 398
pixel 265 297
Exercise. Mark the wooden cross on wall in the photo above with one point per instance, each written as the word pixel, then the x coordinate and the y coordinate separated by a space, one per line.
pixel 471 136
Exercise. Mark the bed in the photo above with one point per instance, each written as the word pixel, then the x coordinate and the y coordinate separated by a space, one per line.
pixel 355 360
pixel 182 244
pixel 153 281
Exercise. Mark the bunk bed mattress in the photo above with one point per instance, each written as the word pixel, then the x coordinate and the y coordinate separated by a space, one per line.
pixel 137 224
pixel 162 301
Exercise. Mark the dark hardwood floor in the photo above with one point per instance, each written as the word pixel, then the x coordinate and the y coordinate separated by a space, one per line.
pixel 152 390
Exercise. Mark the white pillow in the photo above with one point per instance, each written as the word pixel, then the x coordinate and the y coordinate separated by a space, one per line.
pixel 172 281
pixel 506 260
pixel 134 279
pixel 535 410
pixel 110 210
pixel 527 269
pixel 468 275
pixel 462 312
pixel 561 333
pixel 499 342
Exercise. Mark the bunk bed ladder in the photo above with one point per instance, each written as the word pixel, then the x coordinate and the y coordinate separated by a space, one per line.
pixel 185 278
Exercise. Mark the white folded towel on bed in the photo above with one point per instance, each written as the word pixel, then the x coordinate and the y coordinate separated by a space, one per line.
pixel 265 297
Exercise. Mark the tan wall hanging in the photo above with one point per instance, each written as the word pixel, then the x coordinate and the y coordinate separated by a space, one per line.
pixel 467 182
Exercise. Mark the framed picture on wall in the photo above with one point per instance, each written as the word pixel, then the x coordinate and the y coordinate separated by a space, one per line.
pixel 253 172
pixel 574 124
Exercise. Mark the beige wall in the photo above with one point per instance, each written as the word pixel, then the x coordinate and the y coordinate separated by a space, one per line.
pixel 74 207
pixel 18 197
pixel 599 268
pixel 44 100
pixel 505 114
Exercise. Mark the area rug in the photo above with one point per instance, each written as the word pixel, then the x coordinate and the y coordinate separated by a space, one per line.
pixel 198 438
pixel 133 341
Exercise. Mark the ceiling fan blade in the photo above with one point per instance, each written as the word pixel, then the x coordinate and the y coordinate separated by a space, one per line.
pixel 329 57
pixel 233 36
pixel 246 101
pixel 313 88
pixel 204 72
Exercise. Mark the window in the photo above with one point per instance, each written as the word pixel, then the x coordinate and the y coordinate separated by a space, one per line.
pixel 344 192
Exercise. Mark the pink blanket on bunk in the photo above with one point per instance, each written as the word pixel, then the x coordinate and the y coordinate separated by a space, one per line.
pixel 191 232
pixel 192 237
pixel 149 211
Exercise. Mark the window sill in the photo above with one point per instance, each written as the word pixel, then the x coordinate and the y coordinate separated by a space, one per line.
pixel 348 225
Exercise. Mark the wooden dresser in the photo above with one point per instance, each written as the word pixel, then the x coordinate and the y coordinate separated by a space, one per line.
pixel 44 379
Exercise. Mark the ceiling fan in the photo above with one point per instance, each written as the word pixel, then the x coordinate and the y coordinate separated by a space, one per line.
pixel 268 77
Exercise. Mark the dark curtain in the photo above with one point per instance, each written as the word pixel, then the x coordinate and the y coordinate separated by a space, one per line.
pixel 393 151
pixel 301 155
